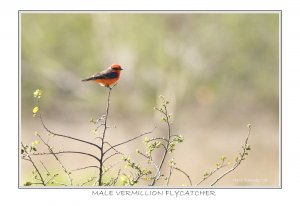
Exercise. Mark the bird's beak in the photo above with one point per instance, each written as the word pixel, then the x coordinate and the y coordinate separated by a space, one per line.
pixel 121 69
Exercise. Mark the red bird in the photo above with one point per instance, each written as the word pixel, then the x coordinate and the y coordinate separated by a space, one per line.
pixel 108 77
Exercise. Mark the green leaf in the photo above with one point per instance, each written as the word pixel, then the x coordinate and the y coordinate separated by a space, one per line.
pixel 163 119
pixel 35 142
pixel 124 180
pixel 146 139
pixel 37 93
pixel 95 131
pixel 223 158
pixel 35 110
pixel 27 184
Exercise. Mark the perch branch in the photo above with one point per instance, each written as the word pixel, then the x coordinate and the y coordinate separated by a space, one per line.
pixel 103 137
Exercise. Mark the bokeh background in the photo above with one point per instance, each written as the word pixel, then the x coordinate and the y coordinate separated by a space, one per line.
pixel 220 71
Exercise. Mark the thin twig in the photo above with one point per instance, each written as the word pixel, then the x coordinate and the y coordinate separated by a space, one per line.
pixel 59 183
pixel 144 155
pixel 58 160
pixel 88 181
pixel 83 168
pixel 51 179
pixel 117 153
pixel 45 167
pixel 67 152
pixel 134 138
pixel 167 120
pixel 212 172
pixel 116 179
pixel 158 138
pixel 111 147
pixel 111 166
pixel 96 182
pixel 238 161
pixel 65 136
pixel 150 160
pixel 183 172
pixel 170 174
pixel 33 164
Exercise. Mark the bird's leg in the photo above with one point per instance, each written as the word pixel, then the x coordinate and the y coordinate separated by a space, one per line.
pixel 112 86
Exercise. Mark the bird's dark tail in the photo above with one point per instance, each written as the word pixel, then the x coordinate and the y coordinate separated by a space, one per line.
pixel 88 79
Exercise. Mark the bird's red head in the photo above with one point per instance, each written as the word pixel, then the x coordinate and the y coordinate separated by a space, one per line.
pixel 116 67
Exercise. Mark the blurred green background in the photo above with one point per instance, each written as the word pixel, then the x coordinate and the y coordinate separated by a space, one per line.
pixel 220 71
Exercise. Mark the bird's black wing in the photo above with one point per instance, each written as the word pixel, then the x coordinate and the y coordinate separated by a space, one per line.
pixel 104 75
